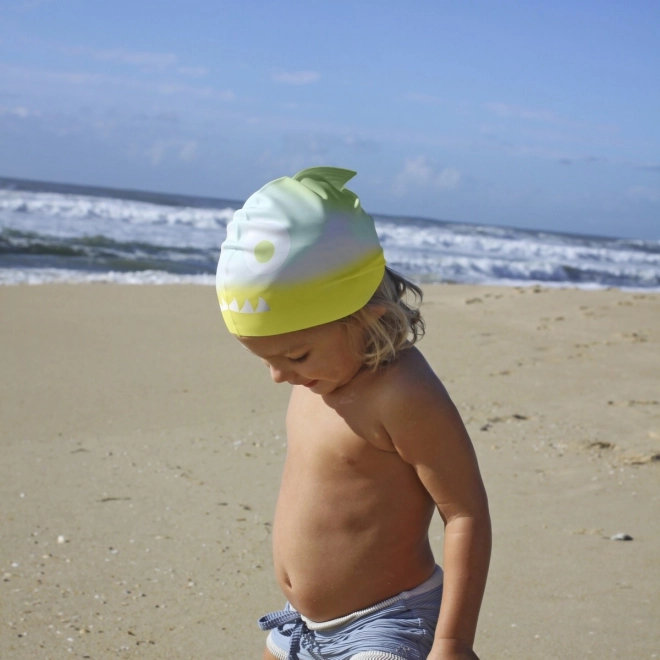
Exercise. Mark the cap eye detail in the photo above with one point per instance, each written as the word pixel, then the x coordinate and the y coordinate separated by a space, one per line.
pixel 264 251
pixel 266 245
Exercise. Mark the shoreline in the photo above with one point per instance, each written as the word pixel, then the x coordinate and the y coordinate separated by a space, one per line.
pixel 59 276
pixel 142 456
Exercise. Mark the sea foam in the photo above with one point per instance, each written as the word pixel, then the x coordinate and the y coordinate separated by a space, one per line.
pixel 87 235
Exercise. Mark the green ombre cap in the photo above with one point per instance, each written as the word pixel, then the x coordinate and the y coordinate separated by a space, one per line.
pixel 301 252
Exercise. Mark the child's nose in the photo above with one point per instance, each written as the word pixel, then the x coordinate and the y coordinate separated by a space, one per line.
pixel 278 375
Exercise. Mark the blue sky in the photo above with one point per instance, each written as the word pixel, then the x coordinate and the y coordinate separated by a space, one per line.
pixel 536 114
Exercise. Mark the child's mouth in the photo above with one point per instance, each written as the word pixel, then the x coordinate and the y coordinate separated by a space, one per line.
pixel 311 383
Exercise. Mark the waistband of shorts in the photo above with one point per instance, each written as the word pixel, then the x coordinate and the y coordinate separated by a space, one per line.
pixel 434 582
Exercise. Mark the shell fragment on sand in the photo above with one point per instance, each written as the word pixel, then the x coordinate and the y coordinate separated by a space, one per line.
pixel 621 537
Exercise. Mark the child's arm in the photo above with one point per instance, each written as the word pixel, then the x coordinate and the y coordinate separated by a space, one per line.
pixel 428 433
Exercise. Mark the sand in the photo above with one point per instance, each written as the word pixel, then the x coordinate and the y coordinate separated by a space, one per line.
pixel 142 450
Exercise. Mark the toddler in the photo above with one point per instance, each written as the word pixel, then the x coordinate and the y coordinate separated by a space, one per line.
pixel 375 444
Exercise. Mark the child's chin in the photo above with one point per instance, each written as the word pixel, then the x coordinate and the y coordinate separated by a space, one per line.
pixel 320 387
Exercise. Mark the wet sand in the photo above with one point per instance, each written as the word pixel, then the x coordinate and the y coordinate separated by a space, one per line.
pixel 142 451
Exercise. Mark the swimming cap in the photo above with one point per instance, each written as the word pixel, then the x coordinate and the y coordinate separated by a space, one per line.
pixel 301 252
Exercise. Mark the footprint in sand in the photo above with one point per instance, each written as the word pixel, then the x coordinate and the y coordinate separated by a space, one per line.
pixel 498 420
pixel 643 459
pixel 634 337
pixel 598 447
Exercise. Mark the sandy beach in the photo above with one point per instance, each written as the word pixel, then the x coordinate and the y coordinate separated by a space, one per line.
pixel 142 451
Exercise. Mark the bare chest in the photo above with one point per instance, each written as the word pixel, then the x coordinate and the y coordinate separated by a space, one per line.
pixel 342 471
pixel 346 433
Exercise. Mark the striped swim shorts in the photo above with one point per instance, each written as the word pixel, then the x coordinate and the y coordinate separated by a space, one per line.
pixel 399 628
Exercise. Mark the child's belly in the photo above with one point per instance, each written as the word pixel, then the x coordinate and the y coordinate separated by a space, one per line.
pixel 349 534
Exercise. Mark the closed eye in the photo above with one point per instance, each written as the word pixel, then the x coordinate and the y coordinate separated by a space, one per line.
pixel 300 359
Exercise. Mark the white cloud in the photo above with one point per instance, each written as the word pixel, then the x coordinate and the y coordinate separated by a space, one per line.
pixel 137 58
pixel 177 149
pixel 419 173
pixel 296 77
pixel 145 60
pixel 517 112
pixel 188 150
pixel 33 4
pixel 18 111
pixel 649 167
pixel 419 97
pixel 644 194
pixel 91 82
pixel 193 71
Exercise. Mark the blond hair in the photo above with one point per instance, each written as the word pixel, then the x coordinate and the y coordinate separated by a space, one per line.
pixel 399 326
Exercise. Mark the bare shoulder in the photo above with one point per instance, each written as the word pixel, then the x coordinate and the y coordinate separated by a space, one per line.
pixel 416 410
pixel 410 384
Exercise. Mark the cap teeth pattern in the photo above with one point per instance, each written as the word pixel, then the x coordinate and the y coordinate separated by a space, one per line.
pixel 262 306
pixel 247 308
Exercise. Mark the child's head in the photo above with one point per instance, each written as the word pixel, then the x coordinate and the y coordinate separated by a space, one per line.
pixel 302 253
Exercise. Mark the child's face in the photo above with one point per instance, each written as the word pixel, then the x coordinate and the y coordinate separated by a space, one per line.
pixel 323 358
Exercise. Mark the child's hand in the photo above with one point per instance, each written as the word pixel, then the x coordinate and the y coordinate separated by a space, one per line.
pixel 451 649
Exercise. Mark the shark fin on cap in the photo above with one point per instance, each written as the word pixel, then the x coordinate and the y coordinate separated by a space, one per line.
pixel 337 177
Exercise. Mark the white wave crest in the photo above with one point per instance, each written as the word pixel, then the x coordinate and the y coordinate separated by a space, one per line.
pixel 34 276
pixel 66 215
pixel 191 236
pixel 59 205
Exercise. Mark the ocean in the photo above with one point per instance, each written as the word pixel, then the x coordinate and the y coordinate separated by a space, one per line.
pixel 65 233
